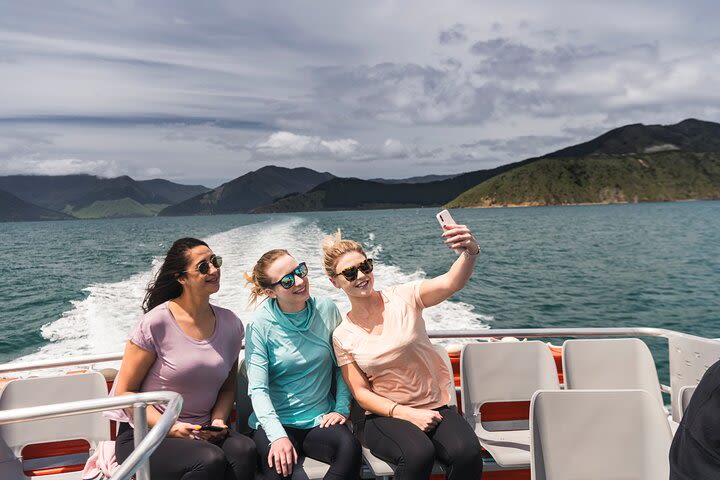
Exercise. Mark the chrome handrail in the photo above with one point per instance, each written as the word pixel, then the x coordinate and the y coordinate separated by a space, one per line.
pixel 138 460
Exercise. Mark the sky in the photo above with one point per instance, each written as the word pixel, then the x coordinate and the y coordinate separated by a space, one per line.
pixel 204 92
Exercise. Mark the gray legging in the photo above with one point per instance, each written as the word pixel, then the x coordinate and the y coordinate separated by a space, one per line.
pixel 234 458
pixel 413 451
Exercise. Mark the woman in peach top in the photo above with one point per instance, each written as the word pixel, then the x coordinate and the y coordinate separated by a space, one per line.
pixel 390 366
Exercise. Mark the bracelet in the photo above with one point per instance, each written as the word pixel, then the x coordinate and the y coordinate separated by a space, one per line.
pixel 468 254
pixel 392 409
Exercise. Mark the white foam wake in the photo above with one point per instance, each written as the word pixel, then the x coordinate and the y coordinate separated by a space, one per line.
pixel 100 322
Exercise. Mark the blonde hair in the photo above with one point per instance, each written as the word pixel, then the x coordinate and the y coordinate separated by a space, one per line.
pixel 334 247
pixel 258 281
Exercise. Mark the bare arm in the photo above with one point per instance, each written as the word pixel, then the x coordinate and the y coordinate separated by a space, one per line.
pixel 226 397
pixel 372 402
pixel 440 288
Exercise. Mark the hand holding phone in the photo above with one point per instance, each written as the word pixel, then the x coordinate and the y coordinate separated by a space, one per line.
pixel 211 428
pixel 444 218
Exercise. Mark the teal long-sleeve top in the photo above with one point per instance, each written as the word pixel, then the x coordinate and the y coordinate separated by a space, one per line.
pixel 290 366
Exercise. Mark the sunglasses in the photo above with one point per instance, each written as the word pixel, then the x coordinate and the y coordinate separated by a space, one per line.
pixel 351 273
pixel 204 266
pixel 288 281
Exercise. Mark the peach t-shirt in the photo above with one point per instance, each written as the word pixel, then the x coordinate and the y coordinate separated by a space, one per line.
pixel 400 363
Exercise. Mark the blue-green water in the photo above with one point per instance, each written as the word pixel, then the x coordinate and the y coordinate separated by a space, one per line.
pixel 76 287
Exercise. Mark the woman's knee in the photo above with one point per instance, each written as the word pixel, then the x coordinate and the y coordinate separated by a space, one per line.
pixel 418 456
pixel 348 446
pixel 241 447
pixel 211 458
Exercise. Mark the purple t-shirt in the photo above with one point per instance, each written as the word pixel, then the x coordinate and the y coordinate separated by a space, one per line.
pixel 196 369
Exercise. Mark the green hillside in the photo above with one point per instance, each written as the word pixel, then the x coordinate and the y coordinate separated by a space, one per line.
pixel 662 176
pixel 125 207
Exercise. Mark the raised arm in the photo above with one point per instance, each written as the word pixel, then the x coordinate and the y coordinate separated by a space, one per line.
pixel 442 287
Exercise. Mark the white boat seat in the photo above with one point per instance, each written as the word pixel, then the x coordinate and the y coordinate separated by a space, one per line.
pixel 29 392
pixel 599 435
pixel 685 395
pixel 496 372
pixel 381 468
pixel 307 468
pixel 610 363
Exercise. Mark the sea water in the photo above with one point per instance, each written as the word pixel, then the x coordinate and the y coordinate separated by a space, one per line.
pixel 75 287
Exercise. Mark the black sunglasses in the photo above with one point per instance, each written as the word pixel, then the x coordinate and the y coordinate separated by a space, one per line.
pixel 288 281
pixel 351 273
pixel 204 266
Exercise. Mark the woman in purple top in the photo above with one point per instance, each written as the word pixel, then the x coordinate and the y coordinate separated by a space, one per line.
pixel 185 344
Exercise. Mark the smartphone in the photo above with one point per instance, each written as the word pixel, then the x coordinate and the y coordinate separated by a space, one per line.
pixel 444 218
pixel 212 428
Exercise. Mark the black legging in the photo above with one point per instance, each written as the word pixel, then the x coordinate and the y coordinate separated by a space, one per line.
pixel 233 458
pixel 413 451
pixel 335 445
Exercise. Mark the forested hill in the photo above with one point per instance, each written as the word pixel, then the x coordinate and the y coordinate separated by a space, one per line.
pixel 650 177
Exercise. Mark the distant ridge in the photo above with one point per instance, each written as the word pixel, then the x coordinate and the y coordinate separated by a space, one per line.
pixel 690 135
pixel 354 193
pixel 13 209
pixel 251 190
pixel 94 197
pixel 422 179
pixel 650 177
pixel 77 191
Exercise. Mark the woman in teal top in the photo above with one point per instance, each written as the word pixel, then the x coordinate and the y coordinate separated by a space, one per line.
pixel 291 367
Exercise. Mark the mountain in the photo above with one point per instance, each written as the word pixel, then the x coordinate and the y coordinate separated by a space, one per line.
pixel 91 195
pixel 423 179
pixel 13 209
pixel 634 163
pixel 256 188
pixel 689 135
pixel 354 193
pixel 650 177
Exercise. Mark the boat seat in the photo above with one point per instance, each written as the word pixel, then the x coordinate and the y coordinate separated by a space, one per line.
pixel 30 392
pixel 383 469
pixel 307 468
pixel 502 372
pixel 598 434
pixel 685 395
pixel 612 363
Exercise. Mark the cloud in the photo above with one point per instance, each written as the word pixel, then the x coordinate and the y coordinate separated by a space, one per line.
pixel 60 166
pixel 283 145
pixel 453 35
pixel 286 144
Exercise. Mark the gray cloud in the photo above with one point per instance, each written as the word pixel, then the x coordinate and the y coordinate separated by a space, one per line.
pixel 453 35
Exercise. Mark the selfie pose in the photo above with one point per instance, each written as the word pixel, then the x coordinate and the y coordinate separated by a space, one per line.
pixel 291 369
pixel 393 371
pixel 185 344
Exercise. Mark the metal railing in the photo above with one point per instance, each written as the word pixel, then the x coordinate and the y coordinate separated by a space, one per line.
pixel 145 443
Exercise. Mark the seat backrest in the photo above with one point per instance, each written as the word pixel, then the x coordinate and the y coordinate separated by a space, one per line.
pixel 31 392
pixel 615 363
pixel 446 358
pixel 504 372
pixel 598 434
pixel 686 394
